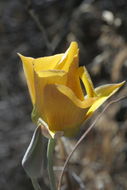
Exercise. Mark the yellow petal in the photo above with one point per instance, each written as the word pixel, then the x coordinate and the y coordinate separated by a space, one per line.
pixel 46 63
pixel 108 89
pixel 103 93
pixel 69 63
pixel 42 79
pixel 68 57
pixel 70 94
pixel 61 109
pixel 73 80
pixel 28 70
pixel 85 77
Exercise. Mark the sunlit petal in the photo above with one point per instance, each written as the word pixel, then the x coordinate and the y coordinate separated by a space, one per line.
pixel 68 57
pixel 42 79
pixel 108 89
pixel 103 93
pixel 84 75
pixel 62 111
pixel 46 63
pixel 73 80
pixel 70 94
pixel 29 74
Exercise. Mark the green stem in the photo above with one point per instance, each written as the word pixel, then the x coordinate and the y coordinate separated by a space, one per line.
pixel 51 146
pixel 35 184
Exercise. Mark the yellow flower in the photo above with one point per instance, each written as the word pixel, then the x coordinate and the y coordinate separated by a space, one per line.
pixel 57 94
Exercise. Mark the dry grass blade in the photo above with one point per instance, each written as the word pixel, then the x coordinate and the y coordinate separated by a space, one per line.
pixel 84 135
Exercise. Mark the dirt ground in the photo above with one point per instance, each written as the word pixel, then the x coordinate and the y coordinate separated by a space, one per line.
pixel 100 28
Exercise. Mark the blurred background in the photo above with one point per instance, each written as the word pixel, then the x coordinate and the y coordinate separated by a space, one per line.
pixel 100 28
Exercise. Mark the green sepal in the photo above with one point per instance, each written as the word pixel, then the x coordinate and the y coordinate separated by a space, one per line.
pixel 35 115
pixel 34 158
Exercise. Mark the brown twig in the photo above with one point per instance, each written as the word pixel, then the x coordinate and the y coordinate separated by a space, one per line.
pixel 83 136
pixel 64 155
pixel 40 27
pixel 65 25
